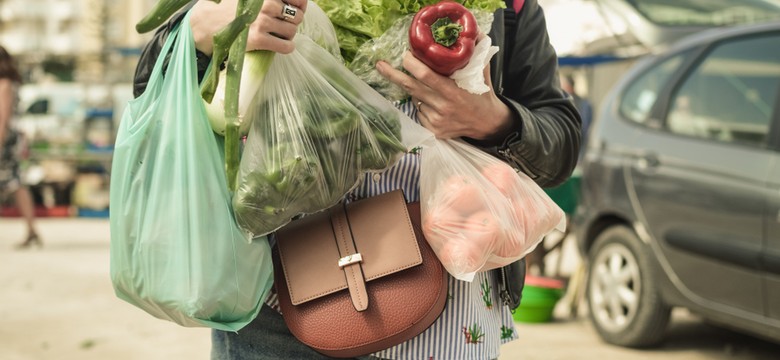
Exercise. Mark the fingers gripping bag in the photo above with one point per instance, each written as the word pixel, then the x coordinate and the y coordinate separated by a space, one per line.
pixel 176 250
pixel 316 130
pixel 478 213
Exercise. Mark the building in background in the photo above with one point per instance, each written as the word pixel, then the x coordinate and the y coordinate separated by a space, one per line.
pixel 78 58
pixel 86 41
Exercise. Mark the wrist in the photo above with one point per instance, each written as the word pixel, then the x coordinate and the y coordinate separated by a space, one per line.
pixel 505 122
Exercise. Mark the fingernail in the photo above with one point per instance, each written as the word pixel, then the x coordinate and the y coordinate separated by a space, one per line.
pixel 380 65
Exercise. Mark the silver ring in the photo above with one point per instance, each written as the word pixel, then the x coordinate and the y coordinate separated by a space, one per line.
pixel 418 105
pixel 289 12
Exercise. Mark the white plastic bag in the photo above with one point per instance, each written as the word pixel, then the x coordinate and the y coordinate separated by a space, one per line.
pixel 477 212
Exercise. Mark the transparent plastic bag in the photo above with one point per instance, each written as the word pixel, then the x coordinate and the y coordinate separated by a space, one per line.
pixel 176 251
pixel 316 130
pixel 477 212
pixel 319 29
pixel 315 24
pixel 390 47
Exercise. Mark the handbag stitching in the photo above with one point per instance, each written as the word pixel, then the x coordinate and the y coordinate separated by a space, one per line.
pixel 368 342
pixel 340 288
pixel 440 296
pixel 348 271
pixel 416 245
pixel 289 284
pixel 290 287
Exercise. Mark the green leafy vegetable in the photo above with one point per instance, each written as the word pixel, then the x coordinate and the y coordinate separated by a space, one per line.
pixel 357 21
pixel 316 129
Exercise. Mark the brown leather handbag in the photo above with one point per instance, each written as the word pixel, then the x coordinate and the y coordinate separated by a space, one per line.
pixel 360 278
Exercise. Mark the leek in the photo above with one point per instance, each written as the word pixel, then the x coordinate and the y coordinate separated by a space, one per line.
pixel 231 40
pixel 246 12
pixel 161 11
pixel 256 64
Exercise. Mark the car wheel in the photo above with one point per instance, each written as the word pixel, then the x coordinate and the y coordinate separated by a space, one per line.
pixel 623 299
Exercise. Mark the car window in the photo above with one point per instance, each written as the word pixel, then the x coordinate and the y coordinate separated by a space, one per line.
pixel 730 95
pixel 640 96
pixel 706 12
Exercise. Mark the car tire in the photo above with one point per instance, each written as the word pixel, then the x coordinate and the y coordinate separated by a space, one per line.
pixel 623 296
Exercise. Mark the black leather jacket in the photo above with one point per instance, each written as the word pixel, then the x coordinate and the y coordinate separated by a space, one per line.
pixel 545 139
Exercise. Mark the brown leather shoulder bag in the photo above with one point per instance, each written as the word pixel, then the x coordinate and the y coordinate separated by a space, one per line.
pixel 360 278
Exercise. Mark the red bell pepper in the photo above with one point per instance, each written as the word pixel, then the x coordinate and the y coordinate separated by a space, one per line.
pixel 443 36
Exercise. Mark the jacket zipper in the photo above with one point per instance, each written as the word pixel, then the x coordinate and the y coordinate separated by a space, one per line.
pixel 507 153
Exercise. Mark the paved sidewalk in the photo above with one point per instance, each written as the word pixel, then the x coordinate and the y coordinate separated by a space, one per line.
pixel 57 303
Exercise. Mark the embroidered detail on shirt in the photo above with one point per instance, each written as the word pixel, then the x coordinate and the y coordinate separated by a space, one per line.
pixel 415 150
pixel 507 332
pixel 473 334
pixel 487 294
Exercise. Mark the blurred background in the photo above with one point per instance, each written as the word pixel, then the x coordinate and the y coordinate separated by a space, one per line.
pixel 77 59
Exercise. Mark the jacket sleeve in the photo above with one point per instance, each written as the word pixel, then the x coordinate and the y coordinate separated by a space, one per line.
pixel 545 140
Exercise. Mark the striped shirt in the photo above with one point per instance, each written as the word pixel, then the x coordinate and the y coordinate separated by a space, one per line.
pixel 475 323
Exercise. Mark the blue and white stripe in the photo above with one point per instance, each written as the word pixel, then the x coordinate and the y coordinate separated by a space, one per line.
pixel 446 338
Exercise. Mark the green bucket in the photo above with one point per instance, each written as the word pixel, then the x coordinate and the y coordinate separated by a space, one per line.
pixel 537 304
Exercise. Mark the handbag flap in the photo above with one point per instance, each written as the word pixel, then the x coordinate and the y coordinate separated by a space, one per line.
pixel 382 234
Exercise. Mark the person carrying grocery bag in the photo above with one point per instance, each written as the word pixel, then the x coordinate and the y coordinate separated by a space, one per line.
pixel 523 119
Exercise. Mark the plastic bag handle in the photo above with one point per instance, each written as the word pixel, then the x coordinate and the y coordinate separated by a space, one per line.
pixel 155 76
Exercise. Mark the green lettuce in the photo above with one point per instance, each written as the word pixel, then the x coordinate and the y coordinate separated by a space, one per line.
pixel 357 21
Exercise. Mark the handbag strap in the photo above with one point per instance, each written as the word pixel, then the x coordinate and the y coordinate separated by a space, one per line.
pixel 350 258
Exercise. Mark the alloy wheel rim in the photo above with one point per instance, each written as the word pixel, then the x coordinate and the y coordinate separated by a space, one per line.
pixel 615 288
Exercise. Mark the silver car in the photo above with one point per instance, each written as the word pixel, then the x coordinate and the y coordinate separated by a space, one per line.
pixel 680 197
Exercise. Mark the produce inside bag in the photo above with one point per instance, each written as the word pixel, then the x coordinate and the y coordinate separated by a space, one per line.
pixel 227 109
pixel 315 25
pixel 316 129
pixel 443 35
pixel 477 212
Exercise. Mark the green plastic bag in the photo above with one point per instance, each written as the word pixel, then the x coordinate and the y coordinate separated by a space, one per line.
pixel 176 250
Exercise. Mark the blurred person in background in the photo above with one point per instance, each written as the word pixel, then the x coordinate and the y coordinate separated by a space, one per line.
pixel 583 105
pixel 10 141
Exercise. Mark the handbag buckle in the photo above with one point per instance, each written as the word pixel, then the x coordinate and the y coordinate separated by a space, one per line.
pixel 350 259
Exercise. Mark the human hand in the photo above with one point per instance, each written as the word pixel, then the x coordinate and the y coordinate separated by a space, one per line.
pixel 270 30
pixel 444 108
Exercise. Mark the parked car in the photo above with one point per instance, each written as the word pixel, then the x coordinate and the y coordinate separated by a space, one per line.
pixel 680 194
